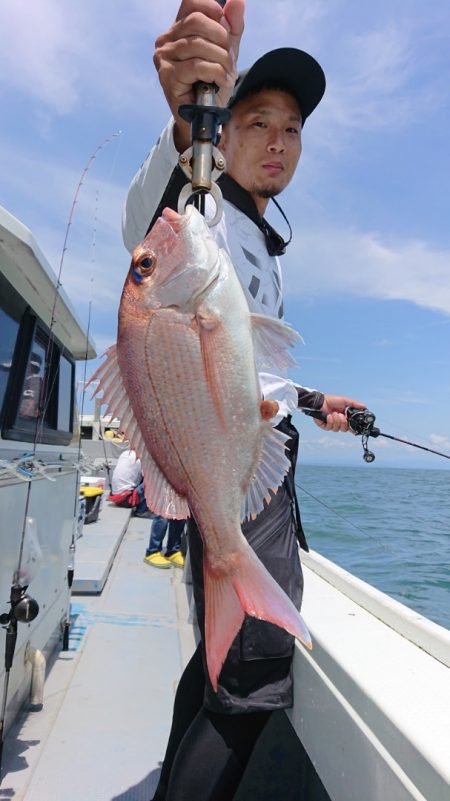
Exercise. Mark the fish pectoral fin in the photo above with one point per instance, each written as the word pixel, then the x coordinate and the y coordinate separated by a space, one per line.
pixel 272 338
pixel 251 590
pixel 161 497
pixel 269 474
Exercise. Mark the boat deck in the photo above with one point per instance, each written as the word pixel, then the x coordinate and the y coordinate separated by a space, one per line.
pixel 105 720
pixel 102 732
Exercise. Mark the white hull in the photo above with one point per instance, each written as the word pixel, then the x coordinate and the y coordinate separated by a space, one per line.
pixel 40 340
pixel 52 506
pixel 372 701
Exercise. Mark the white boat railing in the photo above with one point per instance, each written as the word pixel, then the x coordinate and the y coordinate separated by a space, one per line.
pixel 372 699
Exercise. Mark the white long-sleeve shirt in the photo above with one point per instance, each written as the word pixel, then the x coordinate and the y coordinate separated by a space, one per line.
pixel 259 273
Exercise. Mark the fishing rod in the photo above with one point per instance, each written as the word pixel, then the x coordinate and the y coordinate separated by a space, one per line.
pixel 361 422
pixel 24 609
pixel 203 163
pixel 76 513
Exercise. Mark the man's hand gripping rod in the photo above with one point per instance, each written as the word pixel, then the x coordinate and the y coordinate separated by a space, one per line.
pixel 203 163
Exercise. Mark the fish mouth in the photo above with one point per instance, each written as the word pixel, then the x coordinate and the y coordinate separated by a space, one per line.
pixel 179 222
pixel 176 221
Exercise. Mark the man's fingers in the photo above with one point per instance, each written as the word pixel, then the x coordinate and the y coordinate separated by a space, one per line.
pixel 196 25
pixel 197 38
pixel 234 15
pixel 181 75
pixel 335 422
pixel 192 48
pixel 210 8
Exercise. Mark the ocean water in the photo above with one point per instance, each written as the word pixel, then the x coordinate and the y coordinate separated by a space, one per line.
pixel 390 527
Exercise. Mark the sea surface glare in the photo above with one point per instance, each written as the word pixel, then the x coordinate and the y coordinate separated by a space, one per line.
pixel 401 543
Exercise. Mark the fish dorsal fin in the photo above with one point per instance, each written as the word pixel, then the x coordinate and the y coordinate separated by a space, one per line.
pixel 270 472
pixel 271 339
pixel 161 497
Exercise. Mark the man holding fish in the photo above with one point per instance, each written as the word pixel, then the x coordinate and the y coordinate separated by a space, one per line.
pixel 211 418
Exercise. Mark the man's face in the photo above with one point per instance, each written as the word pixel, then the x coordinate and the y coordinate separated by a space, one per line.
pixel 262 143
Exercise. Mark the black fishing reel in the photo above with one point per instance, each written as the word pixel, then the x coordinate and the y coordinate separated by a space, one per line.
pixel 361 422
pixel 24 608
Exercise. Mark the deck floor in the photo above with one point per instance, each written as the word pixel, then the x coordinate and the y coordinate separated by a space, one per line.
pixel 102 732
pixel 103 728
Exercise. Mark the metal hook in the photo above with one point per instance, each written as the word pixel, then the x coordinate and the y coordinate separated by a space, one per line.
pixel 188 191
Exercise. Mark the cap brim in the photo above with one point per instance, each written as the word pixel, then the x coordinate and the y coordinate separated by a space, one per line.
pixel 289 67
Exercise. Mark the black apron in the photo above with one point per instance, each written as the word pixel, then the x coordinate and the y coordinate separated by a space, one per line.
pixel 257 673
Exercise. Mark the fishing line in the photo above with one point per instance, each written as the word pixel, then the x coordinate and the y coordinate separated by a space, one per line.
pixel 344 519
pixel 116 155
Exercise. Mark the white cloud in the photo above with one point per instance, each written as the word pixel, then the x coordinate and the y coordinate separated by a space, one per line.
pixel 366 91
pixel 55 53
pixel 440 440
pixel 360 264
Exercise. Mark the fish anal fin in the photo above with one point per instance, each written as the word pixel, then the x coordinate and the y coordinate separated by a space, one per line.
pixel 162 498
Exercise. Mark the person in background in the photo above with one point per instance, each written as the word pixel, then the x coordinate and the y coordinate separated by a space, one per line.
pixel 127 485
pixel 127 490
pixel 173 555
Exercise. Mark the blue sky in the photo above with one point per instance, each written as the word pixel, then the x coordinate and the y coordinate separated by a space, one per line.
pixel 367 277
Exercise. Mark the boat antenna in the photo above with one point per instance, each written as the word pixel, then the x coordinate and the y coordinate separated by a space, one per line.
pixel 361 422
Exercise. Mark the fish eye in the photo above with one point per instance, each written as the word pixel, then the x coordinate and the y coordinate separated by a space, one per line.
pixel 146 265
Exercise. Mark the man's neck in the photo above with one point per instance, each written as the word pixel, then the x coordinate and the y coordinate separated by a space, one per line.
pixel 236 194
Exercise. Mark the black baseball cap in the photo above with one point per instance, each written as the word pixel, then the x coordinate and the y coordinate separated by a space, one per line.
pixel 293 68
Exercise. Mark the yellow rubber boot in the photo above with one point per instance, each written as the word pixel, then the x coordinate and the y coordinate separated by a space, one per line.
pixel 157 560
pixel 176 559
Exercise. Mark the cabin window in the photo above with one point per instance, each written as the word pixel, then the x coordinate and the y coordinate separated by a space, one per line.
pixel 40 401
pixel 10 314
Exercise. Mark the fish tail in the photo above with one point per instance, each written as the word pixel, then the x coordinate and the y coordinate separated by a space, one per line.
pixel 248 589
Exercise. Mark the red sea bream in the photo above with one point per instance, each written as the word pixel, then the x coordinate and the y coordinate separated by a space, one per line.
pixel 183 381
